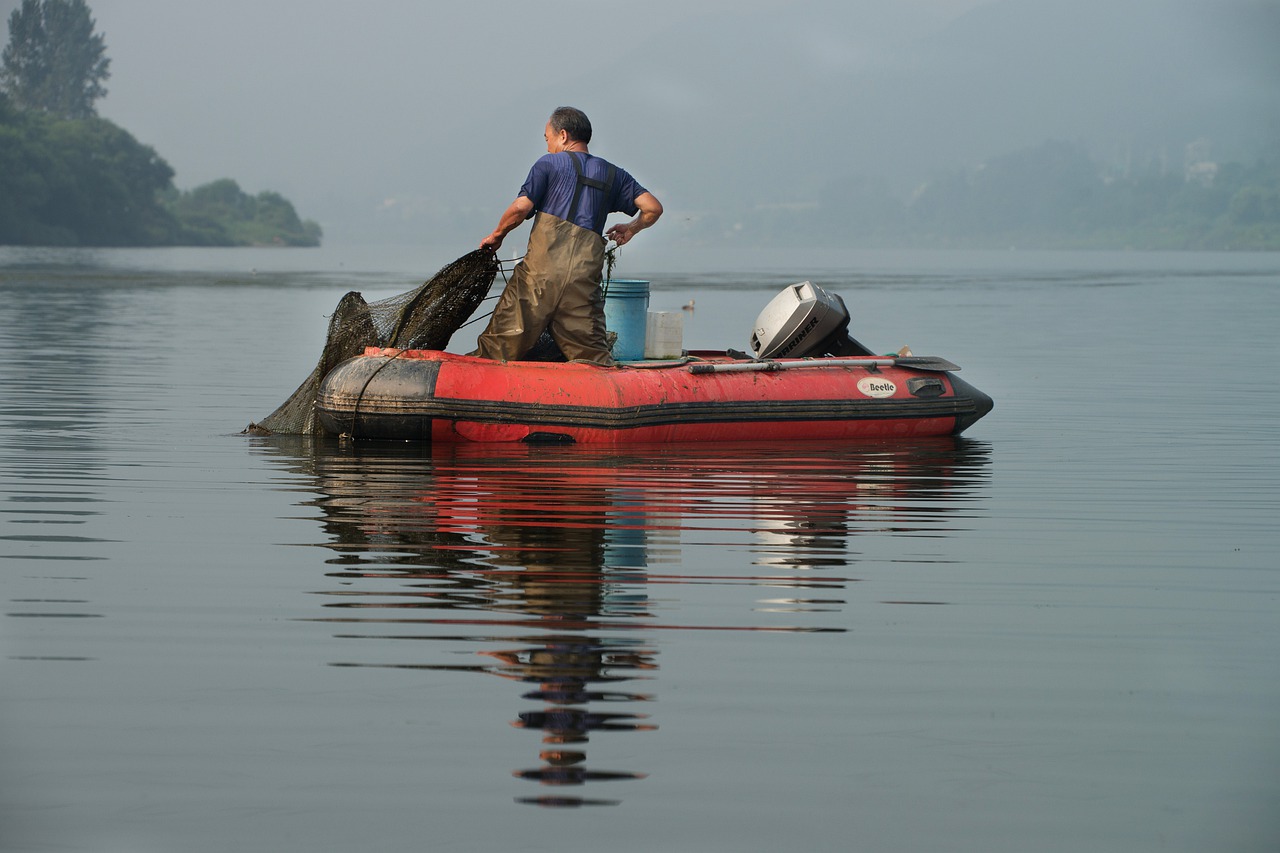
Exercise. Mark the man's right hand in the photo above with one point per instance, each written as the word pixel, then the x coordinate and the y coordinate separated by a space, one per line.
pixel 518 212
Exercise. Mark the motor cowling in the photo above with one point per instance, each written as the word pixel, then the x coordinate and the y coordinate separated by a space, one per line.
pixel 804 321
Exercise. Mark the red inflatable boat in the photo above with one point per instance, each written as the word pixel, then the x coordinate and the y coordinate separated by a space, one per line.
pixel 424 395
pixel 843 393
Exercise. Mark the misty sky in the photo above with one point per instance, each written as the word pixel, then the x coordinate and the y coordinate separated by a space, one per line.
pixel 390 118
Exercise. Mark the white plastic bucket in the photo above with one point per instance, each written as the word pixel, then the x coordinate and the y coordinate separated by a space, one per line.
pixel 664 335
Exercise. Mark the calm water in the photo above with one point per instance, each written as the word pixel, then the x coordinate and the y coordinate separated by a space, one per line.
pixel 1059 633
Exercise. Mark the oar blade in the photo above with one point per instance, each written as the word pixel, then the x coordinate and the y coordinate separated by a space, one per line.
pixel 926 362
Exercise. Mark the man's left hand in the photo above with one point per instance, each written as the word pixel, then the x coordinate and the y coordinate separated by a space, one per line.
pixel 620 234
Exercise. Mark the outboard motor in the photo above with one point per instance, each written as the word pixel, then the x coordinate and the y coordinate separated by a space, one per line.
pixel 804 320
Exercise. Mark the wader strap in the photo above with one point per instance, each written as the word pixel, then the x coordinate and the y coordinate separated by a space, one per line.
pixel 605 187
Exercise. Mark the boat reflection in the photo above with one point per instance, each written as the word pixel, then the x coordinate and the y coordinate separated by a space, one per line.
pixel 541 562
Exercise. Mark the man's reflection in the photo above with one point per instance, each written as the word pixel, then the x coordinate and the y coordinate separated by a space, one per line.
pixel 553 540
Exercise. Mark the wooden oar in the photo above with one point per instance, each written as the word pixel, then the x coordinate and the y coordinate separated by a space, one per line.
pixel 917 362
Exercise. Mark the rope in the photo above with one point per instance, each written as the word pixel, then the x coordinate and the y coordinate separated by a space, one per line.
pixel 355 410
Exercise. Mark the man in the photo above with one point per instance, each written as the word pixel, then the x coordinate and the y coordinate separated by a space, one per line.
pixel 556 286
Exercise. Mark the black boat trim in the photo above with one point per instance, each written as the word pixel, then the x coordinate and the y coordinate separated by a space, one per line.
pixel 665 414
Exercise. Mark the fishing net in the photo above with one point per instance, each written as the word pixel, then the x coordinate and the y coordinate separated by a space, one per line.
pixel 422 318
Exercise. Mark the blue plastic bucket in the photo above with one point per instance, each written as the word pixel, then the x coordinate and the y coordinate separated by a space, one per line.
pixel 626 311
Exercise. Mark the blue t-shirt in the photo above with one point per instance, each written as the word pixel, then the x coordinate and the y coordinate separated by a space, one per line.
pixel 553 180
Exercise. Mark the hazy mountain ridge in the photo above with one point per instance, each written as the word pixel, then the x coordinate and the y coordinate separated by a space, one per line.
pixel 731 112
pixel 1132 79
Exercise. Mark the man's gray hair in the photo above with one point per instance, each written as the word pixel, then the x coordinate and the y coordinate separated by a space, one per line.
pixel 574 122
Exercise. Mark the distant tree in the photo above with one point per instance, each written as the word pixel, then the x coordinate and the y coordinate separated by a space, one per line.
pixel 54 62
pixel 24 165
pixel 219 213
pixel 106 186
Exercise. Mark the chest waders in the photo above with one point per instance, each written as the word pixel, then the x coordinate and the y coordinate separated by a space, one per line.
pixel 556 287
